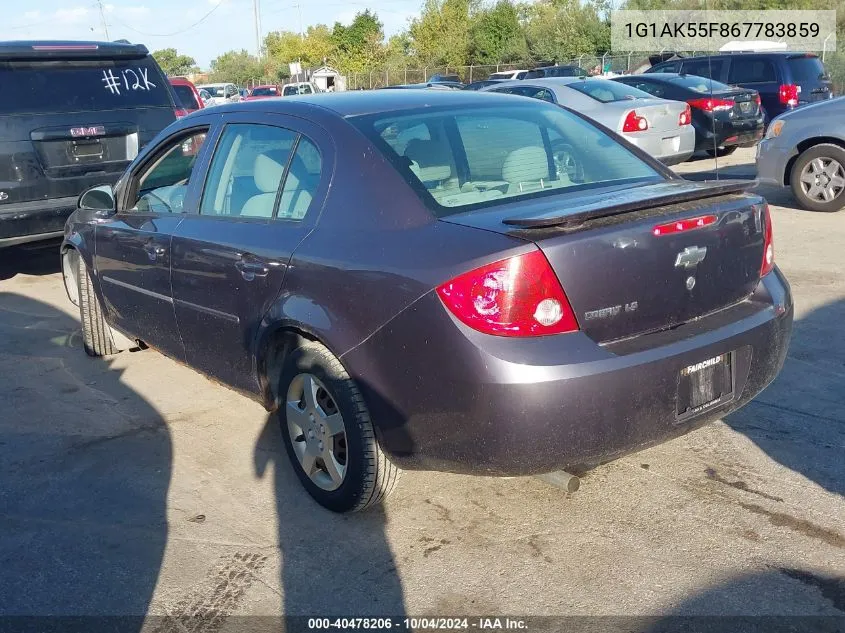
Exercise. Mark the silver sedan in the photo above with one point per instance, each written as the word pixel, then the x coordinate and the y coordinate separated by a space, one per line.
pixel 659 127
pixel 804 149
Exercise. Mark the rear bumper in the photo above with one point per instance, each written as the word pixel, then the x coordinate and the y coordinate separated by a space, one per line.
pixel 729 134
pixel 659 145
pixel 31 221
pixel 459 401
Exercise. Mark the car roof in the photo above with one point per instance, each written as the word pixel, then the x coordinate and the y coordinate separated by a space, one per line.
pixel 70 49
pixel 354 103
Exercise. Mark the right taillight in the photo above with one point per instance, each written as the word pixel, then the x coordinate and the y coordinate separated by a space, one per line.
pixel 634 123
pixel 768 243
pixel 788 94
pixel 518 296
pixel 711 104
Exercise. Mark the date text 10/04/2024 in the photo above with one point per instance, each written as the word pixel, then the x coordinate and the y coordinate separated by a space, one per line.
pixel 418 624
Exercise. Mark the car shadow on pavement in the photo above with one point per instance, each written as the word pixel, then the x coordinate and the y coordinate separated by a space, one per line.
pixel 39 258
pixel 85 466
pixel 799 420
pixel 332 565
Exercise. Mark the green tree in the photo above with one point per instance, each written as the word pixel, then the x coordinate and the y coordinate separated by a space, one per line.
pixel 497 35
pixel 359 46
pixel 441 35
pixel 236 66
pixel 173 64
pixel 284 47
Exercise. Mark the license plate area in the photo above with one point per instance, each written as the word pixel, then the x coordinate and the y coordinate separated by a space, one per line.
pixel 704 385
pixel 671 143
pixel 86 150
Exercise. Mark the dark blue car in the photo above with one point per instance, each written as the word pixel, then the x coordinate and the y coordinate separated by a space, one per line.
pixel 784 79
pixel 440 280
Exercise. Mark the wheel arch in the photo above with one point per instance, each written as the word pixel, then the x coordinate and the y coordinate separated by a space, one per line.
pixel 803 146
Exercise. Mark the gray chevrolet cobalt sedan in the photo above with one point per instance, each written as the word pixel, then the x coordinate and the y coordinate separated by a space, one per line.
pixel 448 281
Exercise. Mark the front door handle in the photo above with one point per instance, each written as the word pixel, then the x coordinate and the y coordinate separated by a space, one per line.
pixel 252 268
pixel 154 251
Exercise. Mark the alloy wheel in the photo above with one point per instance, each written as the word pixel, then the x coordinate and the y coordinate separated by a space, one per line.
pixel 317 431
pixel 822 179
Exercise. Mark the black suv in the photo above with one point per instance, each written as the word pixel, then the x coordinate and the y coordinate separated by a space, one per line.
pixel 783 79
pixel 74 115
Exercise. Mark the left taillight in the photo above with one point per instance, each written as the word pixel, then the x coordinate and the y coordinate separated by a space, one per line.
pixel 634 123
pixel 519 297
pixel 686 116
pixel 768 243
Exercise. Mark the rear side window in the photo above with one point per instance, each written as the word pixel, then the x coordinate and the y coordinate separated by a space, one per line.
pixel 704 67
pixel 751 71
pixel 481 156
pixel 809 68
pixel 186 97
pixel 74 86
pixel 607 91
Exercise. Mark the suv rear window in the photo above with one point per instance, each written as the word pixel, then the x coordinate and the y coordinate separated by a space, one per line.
pixel 751 71
pixel 481 156
pixel 607 91
pixel 186 96
pixel 809 68
pixel 73 86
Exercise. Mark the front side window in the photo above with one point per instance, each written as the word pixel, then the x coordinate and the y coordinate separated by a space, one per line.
pixel 161 187
pixel 246 171
pixel 704 68
pixel 480 156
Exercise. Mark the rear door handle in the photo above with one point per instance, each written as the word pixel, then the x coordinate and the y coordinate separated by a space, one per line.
pixel 154 251
pixel 252 268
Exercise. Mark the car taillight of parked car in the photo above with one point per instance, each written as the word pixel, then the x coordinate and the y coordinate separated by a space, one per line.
pixel 768 243
pixel 180 112
pixel 757 99
pixel 519 296
pixel 686 116
pixel 634 123
pixel 711 104
pixel 788 94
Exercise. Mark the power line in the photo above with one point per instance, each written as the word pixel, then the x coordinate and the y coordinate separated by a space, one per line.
pixel 185 30
pixel 103 19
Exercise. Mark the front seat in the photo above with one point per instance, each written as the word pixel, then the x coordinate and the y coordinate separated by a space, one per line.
pixel 267 173
pixel 429 161
pixel 526 169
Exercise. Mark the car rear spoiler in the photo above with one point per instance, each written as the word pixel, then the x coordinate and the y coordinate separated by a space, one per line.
pixel 39 51
pixel 633 199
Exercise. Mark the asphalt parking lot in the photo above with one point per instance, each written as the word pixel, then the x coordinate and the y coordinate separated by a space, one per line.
pixel 134 485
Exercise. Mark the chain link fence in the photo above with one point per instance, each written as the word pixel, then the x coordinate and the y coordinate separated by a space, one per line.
pixel 591 64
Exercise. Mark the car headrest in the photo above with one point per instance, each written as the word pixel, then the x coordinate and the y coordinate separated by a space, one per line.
pixel 526 164
pixel 268 169
pixel 429 160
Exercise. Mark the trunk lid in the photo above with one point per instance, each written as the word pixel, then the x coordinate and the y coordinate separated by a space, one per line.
pixel 76 123
pixel 621 278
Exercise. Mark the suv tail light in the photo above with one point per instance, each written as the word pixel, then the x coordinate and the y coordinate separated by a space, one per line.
pixel 179 112
pixel 768 244
pixel 788 94
pixel 757 98
pixel 686 117
pixel 712 104
pixel 634 123
pixel 519 296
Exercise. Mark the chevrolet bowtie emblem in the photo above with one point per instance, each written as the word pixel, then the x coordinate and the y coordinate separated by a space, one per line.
pixel 690 257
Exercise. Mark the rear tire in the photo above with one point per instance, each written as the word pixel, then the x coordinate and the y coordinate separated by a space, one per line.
pixel 96 335
pixel 806 166
pixel 722 151
pixel 368 476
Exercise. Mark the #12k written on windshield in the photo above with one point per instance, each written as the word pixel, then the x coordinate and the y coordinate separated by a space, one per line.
pixel 704 30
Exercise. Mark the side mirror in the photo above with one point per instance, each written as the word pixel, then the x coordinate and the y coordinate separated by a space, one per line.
pixel 100 199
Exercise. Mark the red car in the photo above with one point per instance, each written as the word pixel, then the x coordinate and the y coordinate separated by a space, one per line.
pixel 187 94
pixel 263 92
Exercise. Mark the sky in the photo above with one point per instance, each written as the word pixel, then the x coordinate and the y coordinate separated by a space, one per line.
pixel 202 29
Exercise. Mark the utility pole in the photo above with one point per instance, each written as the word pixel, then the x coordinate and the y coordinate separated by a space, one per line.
pixel 300 75
pixel 256 6
pixel 103 19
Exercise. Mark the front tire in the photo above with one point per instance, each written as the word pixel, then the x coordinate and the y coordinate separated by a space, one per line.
pixel 96 335
pixel 817 178
pixel 328 433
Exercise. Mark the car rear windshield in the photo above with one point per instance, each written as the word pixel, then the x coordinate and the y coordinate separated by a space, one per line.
pixel 476 157
pixel 215 91
pixel 809 68
pixel 699 84
pixel 33 86
pixel 264 92
pixel 186 97
pixel 608 91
